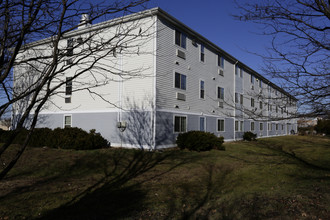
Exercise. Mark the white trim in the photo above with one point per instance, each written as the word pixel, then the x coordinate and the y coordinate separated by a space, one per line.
pixel 185 113
pixel 94 111
pixel 224 125
pixel 153 113
pixel 199 123
pixel 66 115
pixel 178 115
pixel 200 88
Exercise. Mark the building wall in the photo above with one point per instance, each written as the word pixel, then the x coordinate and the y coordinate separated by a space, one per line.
pixel 147 99
pixel 168 62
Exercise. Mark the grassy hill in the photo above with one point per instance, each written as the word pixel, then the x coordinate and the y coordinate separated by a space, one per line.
pixel 272 178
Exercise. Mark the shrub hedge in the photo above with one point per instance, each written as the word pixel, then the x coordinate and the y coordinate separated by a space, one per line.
pixel 249 136
pixel 199 141
pixel 67 138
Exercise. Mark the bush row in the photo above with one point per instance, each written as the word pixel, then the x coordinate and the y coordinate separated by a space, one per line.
pixel 67 138
pixel 199 141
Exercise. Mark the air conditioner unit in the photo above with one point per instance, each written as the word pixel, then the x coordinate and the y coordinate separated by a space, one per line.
pixel 220 72
pixel 180 96
pixel 220 104
pixel 181 54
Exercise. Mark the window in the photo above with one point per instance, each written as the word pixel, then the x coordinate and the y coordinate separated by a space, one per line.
pixel 67 121
pixel 180 81
pixel 260 83
pixel 202 53
pixel 180 39
pixel 236 70
pixel 180 123
pixel 67 99
pixel 221 125
pixel 221 62
pixel 241 73
pixel 236 97
pixel 202 124
pixel 241 123
pixel 260 104
pixel 269 126
pixel 69 50
pixel 241 96
pixel 202 89
pixel 270 107
pixel 221 93
pixel 276 127
pixel 252 102
pixel 282 127
pixel 261 126
pixel 252 79
pixel 236 125
pixel 276 109
pixel 68 86
pixel 252 126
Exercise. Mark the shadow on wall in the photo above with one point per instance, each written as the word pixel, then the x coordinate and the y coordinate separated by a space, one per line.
pixel 141 132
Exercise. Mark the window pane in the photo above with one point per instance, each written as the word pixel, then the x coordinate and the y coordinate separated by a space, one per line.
pixel 183 40
pixel 177 124
pixel 177 37
pixel 183 82
pixel 177 80
pixel 67 121
pixel 183 124
pixel 201 124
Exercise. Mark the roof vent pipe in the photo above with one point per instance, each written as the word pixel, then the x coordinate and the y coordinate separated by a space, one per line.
pixel 84 21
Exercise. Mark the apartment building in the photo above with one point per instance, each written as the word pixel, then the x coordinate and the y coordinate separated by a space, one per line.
pixel 171 80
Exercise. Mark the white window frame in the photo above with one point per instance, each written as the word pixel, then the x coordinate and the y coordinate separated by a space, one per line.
pixel 200 89
pixel 181 116
pixel 261 126
pixel 202 53
pixel 180 81
pixel 236 125
pixel 221 61
pixel 252 122
pixel 236 97
pixel 252 102
pixel 241 125
pixel 218 127
pixel 181 39
pixel 204 119
pixel 219 88
pixel 64 122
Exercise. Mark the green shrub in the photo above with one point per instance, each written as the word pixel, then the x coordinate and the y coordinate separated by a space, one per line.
pixel 249 136
pixel 199 141
pixel 67 138
pixel 323 126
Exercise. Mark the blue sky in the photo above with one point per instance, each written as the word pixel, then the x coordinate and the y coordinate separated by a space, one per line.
pixel 213 20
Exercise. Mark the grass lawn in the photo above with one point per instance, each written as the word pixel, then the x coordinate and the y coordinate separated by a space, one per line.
pixel 272 178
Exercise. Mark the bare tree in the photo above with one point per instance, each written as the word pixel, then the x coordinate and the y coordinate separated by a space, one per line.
pixel 32 72
pixel 298 56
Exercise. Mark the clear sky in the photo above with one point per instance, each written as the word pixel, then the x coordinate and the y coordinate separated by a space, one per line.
pixel 213 20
